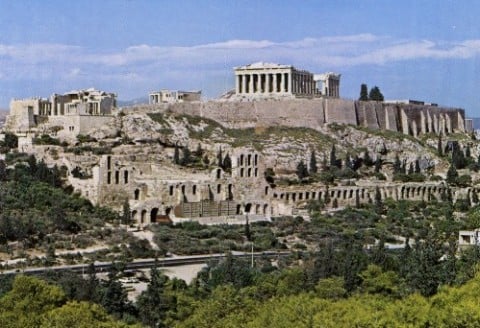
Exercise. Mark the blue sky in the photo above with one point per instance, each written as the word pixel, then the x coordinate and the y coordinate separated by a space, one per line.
pixel 423 50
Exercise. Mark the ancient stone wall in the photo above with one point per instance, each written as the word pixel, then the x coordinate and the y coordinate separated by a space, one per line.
pixel 313 113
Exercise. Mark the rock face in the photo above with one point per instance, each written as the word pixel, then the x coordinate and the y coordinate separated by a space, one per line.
pixel 137 164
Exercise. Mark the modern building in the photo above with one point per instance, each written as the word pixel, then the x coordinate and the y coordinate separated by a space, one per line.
pixel 175 96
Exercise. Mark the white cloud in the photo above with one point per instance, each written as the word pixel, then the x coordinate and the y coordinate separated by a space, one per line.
pixel 152 66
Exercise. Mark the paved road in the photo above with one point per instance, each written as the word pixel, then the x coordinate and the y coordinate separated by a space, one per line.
pixel 146 263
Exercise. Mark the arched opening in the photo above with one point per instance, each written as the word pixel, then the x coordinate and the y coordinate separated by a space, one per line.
pixel 249 160
pixel 170 190
pixel 219 188
pixel 153 215
pixel 265 209
pixel 194 189
pixel 125 177
pixel 239 207
pixel 136 194
pixel 266 190
pixel 168 210
pixel 248 208
pixel 257 209
pixel 143 216
pixel 241 160
pixel 219 173
pixel 183 190
pixel 256 172
pixel 117 177
pixel 134 216
pixel 256 160
pixel 249 173
pixel 241 172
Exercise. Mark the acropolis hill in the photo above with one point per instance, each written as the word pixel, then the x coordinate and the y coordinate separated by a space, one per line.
pixel 168 158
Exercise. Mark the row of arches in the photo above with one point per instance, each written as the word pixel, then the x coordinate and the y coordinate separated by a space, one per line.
pixel 364 194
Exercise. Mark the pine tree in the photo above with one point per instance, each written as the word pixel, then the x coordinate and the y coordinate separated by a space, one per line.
pixel 248 233
pixel 363 92
pixel 440 146
pixel 187 157
pixel 302 170
pixel 378 201
pixel 452 175
pixel 397 165
pixel 153 303
pixel 468 153
pixel 220 157
pixel 227 163
pixel 333 157
pixel 313 163
pixel 176 155
pixel 126 215
pixel 375 94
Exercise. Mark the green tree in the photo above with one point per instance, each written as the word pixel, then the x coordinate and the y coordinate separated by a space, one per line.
pixel 176 155
pixel 313 163
pixel 440 146
pixel 227 163
pixel 153 303
pixel 397 165
pixel 452 175
pixel 126 214
pixel 186 156
pixel 375 94
pixel 363 92
pixel 220 157
pixel 302 170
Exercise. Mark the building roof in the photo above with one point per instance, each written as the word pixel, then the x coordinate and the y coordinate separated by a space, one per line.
pixel 260 65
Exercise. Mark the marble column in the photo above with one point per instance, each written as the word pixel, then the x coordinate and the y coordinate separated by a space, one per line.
pixel 237 84
pixel 259 83
pixel 267 83
pixel 250 84
pixel 289 77
pixel 275 86
pixel 282 83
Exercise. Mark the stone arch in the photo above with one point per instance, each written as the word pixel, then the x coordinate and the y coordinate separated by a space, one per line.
pixel 219 188
pixel 257 209
pixel 194 189
pixel 248 207
pixel 265 209
pixel 239 208
pixel 153 214
pixel 266 190
pixel 256 172
pixel 241 159
pixel 249 172
pixel 219 173
pixel 117 177
pixel 134 216
pixel 241 172
pixel 136 194
pixel 249 159
pixel 307 195
pixel 143 216
pixel 255 161
pixel 168 210
pixel 125 176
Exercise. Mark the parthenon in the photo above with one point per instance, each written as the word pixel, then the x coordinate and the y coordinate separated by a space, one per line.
pixel 274 79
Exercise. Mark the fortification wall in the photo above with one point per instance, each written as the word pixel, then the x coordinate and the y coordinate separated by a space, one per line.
pixel 313 113
pixel 340 111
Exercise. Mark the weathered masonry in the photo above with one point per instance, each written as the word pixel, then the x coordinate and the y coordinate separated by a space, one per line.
pixel 273 79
